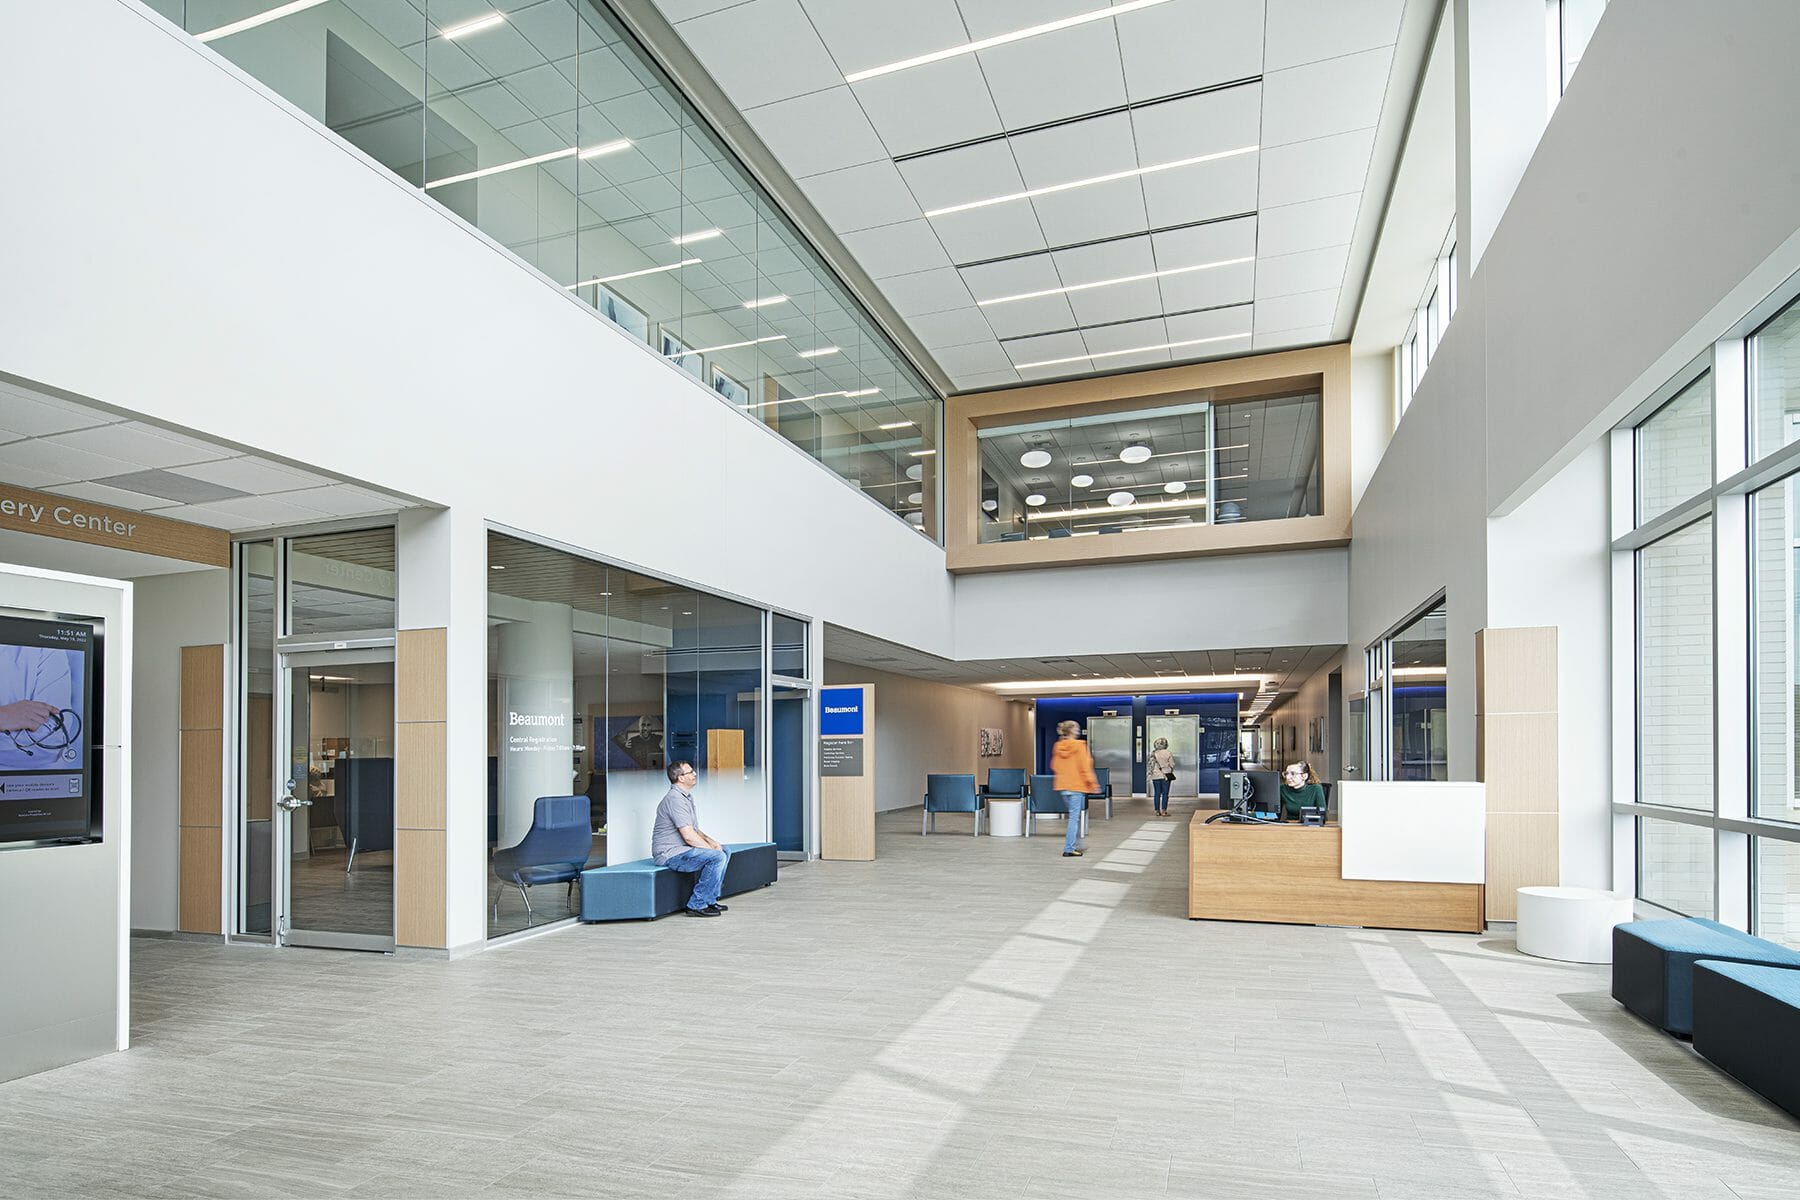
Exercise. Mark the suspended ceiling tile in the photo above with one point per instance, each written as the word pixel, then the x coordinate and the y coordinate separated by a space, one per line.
pixel 1218 322
pixel 927 292
pixel 1215 241
pixel 1208 289
pixel 100 493
pixel 1054 345
pixel 739 46
pixel 861 197
pixel 1307 271
pixel 681 10
pixel 1020 318
pixel 1311 335
pixel 1303 31
pixel 1202 192
pixel 34 415
pixel 60 464
pixel 1177 47
pixel 959 360
pixel 898 249
pixel 1327 166
pixel 1211 123
pixel 1012 277
pixel 1055 75
pixel 1101 210
pixel 935 105
pixel 340 500
pixel 819 132
pixel 139 445
pixel 962 176
pixel 250 474
pixel 1118 302
pixel 1323 98
pixel 1297 311
pixel 1078 150
pixel 201 514
pixel 953 327
pixel 1105 260
pixel 984 233
pixel 860 35
pixel 1131 335
pixel 1290 228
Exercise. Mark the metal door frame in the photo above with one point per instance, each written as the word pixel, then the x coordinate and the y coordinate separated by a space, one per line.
pixel 304 653
pixel 809 744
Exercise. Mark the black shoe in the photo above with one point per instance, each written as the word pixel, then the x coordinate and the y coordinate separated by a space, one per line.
pixel 720 907
pixel 709 911
pixel 1072 853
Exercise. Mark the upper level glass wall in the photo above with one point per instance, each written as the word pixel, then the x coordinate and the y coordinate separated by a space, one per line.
pixel 1193 463
pixel 544 125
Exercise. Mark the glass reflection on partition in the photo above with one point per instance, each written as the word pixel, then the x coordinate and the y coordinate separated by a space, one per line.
pixel 1418 736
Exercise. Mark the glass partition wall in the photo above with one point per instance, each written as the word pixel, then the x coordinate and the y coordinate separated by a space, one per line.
pixel 1706 556
pixel 598 678
pixel 548 128
pixel 1196 462
pixel 1405 712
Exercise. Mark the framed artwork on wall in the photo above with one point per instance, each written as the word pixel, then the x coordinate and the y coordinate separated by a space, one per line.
pixel 681 354
pixel 730 388
pixel 622 312
pixel 993 743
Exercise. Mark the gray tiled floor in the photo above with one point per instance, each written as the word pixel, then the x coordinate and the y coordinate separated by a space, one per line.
pixel 962 1018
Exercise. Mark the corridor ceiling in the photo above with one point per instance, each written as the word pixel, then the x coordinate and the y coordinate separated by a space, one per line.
pixel 1154 182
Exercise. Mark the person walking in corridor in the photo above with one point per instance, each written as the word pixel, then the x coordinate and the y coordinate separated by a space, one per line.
pixel 1162 773
pixel 1073 768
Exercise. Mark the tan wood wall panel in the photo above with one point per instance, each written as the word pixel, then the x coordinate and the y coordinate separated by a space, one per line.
pixel 1517 669
pixel 1292 874
pixel 259 767
pixel 203 687
pixel 201 870
pixel 724 750
pixel 847 820
pixel 72 520
pixel 419 888
pixel 1522 748
pixel 419 775
pixel 202 777
pixel 419 662
pixel 1522 851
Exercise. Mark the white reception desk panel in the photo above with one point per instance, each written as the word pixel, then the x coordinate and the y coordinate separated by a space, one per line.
pixel 1417 832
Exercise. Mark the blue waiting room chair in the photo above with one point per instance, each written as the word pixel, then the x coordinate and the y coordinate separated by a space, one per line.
pixel 950 793
pixel 1005 783
pixel 553 850
pixel 1103 776
pixel 1046 801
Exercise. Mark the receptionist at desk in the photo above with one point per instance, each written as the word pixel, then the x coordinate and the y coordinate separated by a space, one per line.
pixel 1300 789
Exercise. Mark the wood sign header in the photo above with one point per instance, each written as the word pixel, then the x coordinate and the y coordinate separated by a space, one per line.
pixel 26 511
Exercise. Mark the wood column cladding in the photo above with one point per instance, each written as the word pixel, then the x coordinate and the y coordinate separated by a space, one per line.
pixel 202 787
pixel 1517 756
pixel 419 846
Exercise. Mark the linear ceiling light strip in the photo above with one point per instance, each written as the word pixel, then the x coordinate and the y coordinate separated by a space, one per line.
pixel 686 262
pixel 1100 283
pixel 611 147
pixel 1031 193
pixel 1002 39
pixel 262 18
pixel 1057 362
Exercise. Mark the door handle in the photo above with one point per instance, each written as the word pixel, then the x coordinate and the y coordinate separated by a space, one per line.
pixel 292 802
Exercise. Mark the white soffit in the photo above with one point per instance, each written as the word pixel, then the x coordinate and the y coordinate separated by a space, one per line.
pixel 1291 106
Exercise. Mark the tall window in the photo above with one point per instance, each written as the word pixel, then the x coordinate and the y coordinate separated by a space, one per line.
pixel 1407 713
pixel 1713 823
pixel 1436 306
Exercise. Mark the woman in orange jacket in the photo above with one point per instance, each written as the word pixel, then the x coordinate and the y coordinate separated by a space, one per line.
pixel 1073 768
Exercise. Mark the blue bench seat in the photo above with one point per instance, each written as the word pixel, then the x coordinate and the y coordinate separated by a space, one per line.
pixel 643 891
pixel 1747 1021
pixel 1653 965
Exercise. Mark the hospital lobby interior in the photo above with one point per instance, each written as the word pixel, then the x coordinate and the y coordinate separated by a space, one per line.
pixel 1205 593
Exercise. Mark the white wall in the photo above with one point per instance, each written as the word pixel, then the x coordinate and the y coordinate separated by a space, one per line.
pixel 400 348
pixel 63 909
pixel 1290 598
pixel 171 611
pixel 924 728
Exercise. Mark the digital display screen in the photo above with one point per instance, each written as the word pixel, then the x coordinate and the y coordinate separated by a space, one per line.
pixel 46 705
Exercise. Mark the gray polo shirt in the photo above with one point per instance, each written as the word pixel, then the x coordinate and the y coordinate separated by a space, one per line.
pixel 676 810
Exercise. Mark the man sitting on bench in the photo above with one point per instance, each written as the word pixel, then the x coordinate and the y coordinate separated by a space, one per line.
pixel 677 842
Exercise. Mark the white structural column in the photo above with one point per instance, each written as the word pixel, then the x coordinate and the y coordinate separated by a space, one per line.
pixel 535 677
pixel 1502 104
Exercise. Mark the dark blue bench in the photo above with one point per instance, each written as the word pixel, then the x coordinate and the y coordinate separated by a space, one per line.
pixel 1747 1021
pixel 1653 965
pixel 643 891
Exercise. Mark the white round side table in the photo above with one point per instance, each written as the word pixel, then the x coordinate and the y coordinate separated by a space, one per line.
pixel 1006 818
pixel 1570 924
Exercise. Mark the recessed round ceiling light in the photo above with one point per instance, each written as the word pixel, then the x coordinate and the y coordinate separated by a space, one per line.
pixel 1134 454
pixel 1121 499
pixel 915 472
pixel 990 506
pixel 1033 459
pixel 1035 499
pixel 1082 481
pixel 916 498
pixel 1176 488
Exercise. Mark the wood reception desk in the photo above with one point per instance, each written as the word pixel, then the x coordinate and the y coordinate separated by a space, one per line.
pixel 1294 875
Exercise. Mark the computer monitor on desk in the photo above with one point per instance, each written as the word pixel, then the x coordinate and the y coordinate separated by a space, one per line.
pixel 1255 793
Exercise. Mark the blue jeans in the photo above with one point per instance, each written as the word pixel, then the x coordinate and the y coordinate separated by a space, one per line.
pixel 711 867
pixel 1159 791
pixel 1077 804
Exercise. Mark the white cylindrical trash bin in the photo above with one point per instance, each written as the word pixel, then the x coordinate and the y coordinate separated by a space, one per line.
pixel 1006 818
pixel 1570 924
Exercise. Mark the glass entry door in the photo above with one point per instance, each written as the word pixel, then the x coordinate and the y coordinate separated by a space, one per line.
pixel 334 844
pixel 790 743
